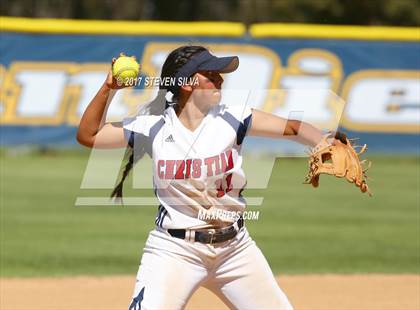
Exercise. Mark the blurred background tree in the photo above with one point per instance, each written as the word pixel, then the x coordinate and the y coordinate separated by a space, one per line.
pixel 348 12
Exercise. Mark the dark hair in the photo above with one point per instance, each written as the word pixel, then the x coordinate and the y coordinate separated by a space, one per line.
pixel 175 60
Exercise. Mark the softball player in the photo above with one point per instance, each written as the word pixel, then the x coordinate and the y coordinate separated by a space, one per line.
pixel 195 144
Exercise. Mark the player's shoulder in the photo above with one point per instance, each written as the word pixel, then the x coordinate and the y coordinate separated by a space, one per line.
pixel 239 112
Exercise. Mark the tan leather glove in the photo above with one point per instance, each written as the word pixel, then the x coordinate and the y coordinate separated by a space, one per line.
pixel 338 157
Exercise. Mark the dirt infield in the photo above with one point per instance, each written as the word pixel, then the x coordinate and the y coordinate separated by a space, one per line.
pixel 367 292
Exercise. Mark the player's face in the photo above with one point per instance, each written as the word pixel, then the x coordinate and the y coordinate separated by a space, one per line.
pixel 208 90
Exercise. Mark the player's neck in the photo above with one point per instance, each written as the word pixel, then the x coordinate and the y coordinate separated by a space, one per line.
pixel 190 115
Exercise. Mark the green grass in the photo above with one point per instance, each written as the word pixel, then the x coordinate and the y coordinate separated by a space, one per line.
pixel 332 229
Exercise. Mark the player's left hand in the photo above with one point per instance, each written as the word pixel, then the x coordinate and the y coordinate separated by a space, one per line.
pixel 336 155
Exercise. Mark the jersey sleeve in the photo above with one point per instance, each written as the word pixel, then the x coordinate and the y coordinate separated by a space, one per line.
pixel 135 127
pixel 140 131
pixel 240 118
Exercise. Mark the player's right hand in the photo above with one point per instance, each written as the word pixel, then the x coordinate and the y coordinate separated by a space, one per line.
pixel 111 81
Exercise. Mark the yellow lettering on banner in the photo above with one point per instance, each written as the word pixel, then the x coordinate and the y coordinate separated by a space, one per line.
pixel 37 93
pixel 3 93
pixel 83 85
pixel 248 54
pixel 330 65
pixel 382 101
pixel 309 84
pixel 259 72
pixel 47 93
pixel 55 93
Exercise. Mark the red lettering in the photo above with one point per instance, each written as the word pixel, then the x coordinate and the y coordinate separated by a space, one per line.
pixel 209 162
pixel 230 159
pixel 196 173
pixel 169 171
pixel 226 166
pixel 179 168
pixel 219 187
pixel 160 165
pixel 217 161
pixel 188 169
pixel 184 169
pixel 228 179
pixel 223 161
pixel 224 185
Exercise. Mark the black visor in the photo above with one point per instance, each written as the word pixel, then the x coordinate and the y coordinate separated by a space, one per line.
pixel 204 61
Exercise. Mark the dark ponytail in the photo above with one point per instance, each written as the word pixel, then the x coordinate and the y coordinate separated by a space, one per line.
pixel 175 60
pixel 118 190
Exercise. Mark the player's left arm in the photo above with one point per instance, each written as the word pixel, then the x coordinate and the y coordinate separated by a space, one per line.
pixel 272 126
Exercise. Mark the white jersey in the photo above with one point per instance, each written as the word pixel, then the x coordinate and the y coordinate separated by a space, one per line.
pixel 208 158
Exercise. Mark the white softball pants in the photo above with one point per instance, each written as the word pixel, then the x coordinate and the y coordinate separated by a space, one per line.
pixel 172 269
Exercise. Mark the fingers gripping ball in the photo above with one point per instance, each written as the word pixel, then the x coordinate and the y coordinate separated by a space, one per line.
pixel 125 70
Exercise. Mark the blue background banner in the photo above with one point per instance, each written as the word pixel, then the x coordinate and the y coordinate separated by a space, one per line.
pixel 48 79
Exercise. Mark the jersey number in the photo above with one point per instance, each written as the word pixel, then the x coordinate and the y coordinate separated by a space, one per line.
pixel 224 185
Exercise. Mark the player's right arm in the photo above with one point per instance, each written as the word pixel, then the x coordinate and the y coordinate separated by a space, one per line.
pixel 93 130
